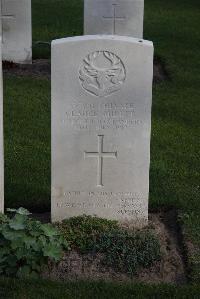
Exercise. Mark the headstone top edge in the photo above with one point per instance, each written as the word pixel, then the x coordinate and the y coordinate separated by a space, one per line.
pixel 102 37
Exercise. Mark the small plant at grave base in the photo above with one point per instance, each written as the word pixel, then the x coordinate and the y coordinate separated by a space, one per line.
pixel 82 231
pixel 124 250
pixel 128 251
pixel 26 244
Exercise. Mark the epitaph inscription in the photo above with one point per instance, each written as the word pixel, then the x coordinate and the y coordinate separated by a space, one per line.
pixel 126 204
pixel 101 140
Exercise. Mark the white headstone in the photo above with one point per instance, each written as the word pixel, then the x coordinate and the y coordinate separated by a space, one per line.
pixel 101 122
pixel 118 17
pixel 16 30
pixel 1 139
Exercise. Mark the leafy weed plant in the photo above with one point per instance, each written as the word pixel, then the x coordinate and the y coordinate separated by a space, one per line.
pixel 26 244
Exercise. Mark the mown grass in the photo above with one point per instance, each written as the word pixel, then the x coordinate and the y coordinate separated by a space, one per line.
pixel 173 26
pixel 26 289
pixel 55 19
pixel 27 143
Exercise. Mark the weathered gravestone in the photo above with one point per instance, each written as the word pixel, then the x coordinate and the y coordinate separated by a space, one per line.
pixel 101 121
pixel 1 139
pixel 120 17
pixel 16 30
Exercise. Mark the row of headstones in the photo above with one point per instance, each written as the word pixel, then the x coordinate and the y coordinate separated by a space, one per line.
pixel 101 118
pixel 119 17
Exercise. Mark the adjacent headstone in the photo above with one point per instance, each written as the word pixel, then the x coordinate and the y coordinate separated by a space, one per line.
pixel 117 17
pixel 101 122
pixel 1 139
pixel 16 30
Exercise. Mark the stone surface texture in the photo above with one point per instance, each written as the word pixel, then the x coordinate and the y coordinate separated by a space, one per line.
pixel 16 30
pixel 1 139
pixel 101 126
pixel 118 17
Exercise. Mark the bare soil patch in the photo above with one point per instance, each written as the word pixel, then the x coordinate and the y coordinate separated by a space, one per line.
pixel 39 68
pixel 159 72
pixel 171 268
pixel 42 68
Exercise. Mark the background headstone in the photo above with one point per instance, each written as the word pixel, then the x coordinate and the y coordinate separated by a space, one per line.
pixel 118 17
pixel 16 30
pixel 1 138
pixel 101 122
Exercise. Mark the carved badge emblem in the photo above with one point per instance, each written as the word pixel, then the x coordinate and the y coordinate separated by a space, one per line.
pixel 102 73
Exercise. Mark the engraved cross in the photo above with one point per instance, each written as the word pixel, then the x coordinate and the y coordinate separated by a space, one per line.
pixel 100 155
pixel 4 17
pixel 114 17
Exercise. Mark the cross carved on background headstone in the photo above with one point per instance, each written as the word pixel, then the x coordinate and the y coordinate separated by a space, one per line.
pixel 114 17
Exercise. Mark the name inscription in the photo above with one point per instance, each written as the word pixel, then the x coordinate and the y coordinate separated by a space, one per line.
pixel 100 116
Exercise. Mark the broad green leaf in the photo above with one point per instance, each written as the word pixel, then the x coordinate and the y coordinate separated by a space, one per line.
pixel 29 241
pixel 18 222
pixel 3 218
pixel 16 243
pixel 13 235
pixel 42 241
pixel 35 233
pixel 20 211
pixel 37 247
pixel 49 230
pixel 52 251
pixel 11 210
pixel 23 211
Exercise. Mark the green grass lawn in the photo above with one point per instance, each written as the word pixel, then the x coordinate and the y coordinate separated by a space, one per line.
pixel 15 289
pixel 55 19
pixel 173 26
pixel 27 143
